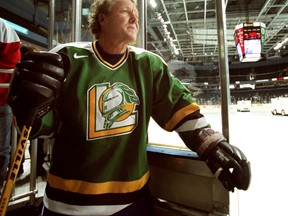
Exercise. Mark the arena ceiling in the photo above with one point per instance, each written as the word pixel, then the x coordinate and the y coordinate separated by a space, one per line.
pixel 192 27
pixel 185 30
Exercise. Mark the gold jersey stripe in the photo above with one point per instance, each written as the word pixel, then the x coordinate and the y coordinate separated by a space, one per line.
pixel 180 114
pixel 83 187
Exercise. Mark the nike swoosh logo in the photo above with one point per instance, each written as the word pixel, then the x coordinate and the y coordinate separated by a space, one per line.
pixel 76 56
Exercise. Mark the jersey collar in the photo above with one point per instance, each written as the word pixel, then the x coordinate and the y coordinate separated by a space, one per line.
pixel 111 61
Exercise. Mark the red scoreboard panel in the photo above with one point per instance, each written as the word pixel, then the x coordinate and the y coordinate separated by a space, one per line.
pixel 249 40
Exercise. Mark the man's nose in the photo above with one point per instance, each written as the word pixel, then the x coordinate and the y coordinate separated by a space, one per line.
pixel 134 16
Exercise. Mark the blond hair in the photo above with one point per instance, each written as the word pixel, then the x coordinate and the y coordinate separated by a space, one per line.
pixel 99 6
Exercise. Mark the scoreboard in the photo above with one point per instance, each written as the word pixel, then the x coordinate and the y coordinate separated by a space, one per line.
pixel 249 40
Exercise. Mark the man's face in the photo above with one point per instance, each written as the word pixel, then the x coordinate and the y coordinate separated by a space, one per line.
pixel 122 23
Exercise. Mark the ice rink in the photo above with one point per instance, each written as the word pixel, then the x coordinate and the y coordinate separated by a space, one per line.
pixel 263 139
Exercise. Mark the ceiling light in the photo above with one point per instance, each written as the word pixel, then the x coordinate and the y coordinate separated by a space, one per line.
pixel 153 3
pixel 281 44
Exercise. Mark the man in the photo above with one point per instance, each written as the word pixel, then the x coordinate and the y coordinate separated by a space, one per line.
pixel 100 115
pixel 9 56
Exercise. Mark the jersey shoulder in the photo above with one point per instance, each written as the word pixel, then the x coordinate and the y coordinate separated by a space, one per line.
pixel 143 53
pixel 8 34
pixel 73 45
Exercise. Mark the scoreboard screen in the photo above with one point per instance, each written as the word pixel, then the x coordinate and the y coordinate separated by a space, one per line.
pixel 249 40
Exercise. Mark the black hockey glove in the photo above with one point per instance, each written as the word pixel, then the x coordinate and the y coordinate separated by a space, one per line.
pixel 227 162
pixel 35 84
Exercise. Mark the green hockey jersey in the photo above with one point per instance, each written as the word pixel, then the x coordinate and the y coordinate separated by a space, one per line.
pixel 99 163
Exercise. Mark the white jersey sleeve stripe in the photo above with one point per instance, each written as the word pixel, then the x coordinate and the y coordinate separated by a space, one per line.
pixel 192 125
pixel 67 209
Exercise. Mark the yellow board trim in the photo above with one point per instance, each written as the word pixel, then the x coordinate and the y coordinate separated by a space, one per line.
pixel 84 187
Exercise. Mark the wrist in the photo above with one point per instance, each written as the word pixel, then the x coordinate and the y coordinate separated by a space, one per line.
pixel 207 140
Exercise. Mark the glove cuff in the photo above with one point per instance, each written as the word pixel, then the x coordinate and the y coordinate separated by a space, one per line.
pixel 208 139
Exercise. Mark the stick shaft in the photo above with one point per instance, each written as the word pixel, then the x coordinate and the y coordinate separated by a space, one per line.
pixel 14 168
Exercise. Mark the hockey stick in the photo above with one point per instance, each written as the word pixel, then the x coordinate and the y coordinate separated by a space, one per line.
pixel 42 101
pixel 14 168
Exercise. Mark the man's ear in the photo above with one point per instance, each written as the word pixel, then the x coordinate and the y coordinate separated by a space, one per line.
pixel 101 19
